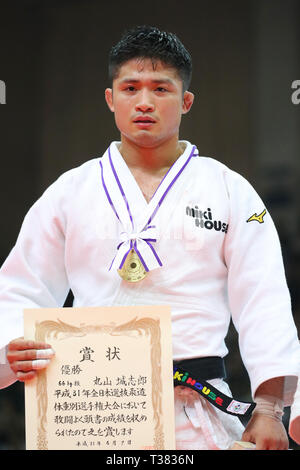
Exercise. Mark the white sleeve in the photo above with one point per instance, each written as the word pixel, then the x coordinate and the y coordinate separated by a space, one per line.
pixel 258 294
pixel 33 275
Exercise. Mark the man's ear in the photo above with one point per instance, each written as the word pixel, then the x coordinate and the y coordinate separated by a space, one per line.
pixel 188 99
pixel 109 99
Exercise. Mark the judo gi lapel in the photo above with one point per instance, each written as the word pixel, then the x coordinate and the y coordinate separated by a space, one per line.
pixel 166 197
pixel 137 218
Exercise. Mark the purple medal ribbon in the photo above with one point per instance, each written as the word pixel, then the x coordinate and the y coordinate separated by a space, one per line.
pixel 148 233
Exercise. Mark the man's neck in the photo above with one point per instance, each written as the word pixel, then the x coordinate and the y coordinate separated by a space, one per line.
pixel 151 160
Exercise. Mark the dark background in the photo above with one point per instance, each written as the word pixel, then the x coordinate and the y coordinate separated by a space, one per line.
pixel 53 60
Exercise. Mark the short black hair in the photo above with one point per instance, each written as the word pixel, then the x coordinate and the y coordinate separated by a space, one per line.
pixel 148 42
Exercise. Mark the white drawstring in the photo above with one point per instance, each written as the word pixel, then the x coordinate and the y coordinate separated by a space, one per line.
pixel 200 426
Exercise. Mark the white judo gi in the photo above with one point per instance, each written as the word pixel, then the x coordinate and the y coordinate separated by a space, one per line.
pixel 212 252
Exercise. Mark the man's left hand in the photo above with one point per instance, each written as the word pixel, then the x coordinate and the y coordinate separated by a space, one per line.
pixel 267 433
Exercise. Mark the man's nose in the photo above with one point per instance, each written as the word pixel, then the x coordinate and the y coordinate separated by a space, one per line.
pixel 145 103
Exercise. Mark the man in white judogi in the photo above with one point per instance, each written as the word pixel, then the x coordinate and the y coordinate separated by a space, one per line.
pixel 201 238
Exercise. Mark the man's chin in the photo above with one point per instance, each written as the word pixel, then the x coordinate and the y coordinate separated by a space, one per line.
pixel 146 140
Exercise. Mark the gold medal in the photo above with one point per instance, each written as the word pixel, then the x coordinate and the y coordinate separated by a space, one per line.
pixel 132 269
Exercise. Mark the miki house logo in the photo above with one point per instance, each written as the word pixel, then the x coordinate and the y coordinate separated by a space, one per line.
pixel 184 378
pixel 204 219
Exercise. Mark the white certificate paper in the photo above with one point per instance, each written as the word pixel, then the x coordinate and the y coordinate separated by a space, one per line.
pixel 110 383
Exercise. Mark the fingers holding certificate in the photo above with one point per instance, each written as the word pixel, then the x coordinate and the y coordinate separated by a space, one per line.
pixel 26 357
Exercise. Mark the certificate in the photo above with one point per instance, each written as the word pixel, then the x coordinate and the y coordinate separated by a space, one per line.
pixel 110 383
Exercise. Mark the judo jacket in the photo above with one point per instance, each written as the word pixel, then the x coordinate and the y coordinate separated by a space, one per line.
pixel 208 244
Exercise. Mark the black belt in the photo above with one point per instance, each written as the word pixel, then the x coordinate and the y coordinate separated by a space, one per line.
pixel 187 373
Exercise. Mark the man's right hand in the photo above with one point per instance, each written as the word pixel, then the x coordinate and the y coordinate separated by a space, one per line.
pixel 26 357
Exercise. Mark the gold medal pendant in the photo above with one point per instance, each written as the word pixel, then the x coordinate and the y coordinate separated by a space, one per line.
pixel 132 269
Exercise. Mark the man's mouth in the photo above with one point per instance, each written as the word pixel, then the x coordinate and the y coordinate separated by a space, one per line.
pixel 144 120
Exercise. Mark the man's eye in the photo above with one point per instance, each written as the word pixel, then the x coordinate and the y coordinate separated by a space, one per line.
pixel 161 89
pixel 130 88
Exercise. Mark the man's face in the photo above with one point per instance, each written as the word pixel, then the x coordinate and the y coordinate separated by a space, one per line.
pixel 148 102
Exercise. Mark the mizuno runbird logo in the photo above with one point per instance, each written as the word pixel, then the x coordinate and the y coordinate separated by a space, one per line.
pixel 259 218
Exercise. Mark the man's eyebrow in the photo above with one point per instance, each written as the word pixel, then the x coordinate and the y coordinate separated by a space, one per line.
pixel 156 80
